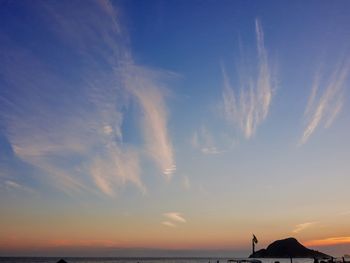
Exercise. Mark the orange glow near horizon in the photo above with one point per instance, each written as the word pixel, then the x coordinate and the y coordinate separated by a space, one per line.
pixel 328 241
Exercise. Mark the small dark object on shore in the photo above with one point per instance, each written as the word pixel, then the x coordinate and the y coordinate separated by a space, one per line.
pixel 277 262
pixel 61 261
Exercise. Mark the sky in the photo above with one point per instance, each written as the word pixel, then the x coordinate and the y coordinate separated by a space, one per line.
pixel 173 128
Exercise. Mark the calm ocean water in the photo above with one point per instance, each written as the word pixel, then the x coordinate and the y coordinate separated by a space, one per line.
pixel 139 260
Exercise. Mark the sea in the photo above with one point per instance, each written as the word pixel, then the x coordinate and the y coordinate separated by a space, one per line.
pixel 140 260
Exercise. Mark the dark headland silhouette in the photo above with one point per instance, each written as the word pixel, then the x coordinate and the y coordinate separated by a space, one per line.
pixel 288 248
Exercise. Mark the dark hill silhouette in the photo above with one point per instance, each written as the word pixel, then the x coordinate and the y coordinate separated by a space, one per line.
pixel 286 248
pixel 61 261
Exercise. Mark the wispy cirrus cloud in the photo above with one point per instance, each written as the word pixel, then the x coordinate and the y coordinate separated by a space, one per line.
pixel 175 217
pixel 301 227
pixel 115 169
pixel 248 109
pixel 13 185
pixel 154 120
pixel 325 100
pixel 71 129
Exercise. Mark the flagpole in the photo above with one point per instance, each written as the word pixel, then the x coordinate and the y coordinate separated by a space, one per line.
pixel 253 245
pixel 254 241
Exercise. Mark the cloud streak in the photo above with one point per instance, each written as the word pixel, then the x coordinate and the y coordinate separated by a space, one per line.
pixel 303 226
pixel 154 121
pixel 116 168
pixel 325 101
pixel 250 108
pixel 175 216
pixel 12 185
pixel 73 130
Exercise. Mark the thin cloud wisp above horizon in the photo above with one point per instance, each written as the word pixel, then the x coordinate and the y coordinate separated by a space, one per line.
pixel 250 108
pixel 324 105
pixel 173 219
pixel 154 121
pixel 301 227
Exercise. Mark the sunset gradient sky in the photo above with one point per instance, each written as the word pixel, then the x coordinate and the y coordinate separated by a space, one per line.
pixel 162 128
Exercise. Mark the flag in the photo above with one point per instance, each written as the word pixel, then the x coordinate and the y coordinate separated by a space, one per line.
pixel 255 240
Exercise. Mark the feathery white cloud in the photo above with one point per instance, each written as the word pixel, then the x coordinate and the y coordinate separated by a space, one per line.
pixel 116 168
pixel 325 104
pixel 301 227
pixel 73 130
pixel 12 185
pixel 250 108
pixel 154 121
pixel 175 216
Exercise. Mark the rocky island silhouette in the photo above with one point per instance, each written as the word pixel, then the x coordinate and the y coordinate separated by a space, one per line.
pixel 288 248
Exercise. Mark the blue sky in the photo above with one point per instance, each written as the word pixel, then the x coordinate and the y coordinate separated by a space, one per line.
pixel 200 121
